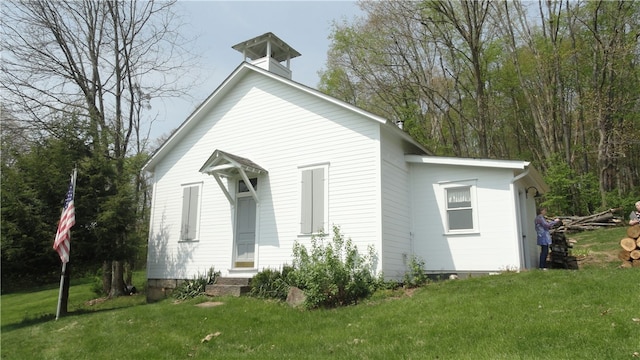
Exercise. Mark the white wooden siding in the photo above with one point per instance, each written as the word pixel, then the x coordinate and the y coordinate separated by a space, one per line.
pixel 493 248
pixel 396 213
pixel 280 129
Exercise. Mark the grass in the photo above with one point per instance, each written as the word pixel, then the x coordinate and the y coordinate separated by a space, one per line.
pixel 557 314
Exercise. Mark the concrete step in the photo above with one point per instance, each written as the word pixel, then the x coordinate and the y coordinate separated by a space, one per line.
pixel 228 286
pixel 232 281
pixel 226 290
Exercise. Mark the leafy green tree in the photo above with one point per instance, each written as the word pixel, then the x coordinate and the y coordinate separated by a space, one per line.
pixel 515 80
pixel 34 182
pixel 101 62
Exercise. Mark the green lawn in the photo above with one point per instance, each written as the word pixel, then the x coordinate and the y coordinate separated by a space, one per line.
pixel 592 313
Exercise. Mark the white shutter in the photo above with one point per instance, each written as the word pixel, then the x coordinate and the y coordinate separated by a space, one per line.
pixel 318 200
pixel 306 223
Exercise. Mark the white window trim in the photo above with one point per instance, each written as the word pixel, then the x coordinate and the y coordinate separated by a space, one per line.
pixel 472 184
pixel 196 238
pixel 325 225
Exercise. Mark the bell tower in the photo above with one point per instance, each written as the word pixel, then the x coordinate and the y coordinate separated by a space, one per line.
pixel 268 52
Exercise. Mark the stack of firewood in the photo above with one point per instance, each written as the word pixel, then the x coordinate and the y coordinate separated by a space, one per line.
pixel 591 222
pixel 630 253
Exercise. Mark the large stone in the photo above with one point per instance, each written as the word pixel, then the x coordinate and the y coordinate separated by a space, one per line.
pixel 296 297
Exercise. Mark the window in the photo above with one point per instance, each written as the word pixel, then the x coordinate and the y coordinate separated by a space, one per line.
pixel 461 216
pixel 243 188
pixel 190 216
pixel 313 200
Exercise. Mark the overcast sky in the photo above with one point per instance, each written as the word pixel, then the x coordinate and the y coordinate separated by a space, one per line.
pixel 304 25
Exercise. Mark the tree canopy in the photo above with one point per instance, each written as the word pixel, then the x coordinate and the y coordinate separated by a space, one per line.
pixel 553 82
pixel 77 79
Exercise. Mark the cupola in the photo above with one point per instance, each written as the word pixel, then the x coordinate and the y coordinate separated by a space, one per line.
pixel 268 52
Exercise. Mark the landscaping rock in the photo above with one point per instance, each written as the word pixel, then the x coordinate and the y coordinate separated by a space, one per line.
pixel 295 297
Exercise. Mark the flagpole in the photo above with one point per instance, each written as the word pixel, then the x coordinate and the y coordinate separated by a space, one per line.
pixel 62 295
pixel 64 269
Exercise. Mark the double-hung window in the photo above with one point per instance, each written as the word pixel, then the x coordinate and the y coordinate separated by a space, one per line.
pixel 460 208
pixel 314 198
pixel 190 212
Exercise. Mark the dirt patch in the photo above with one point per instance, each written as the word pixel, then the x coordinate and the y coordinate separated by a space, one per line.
pixel 587 256
pixel 95 301
pixel 208 304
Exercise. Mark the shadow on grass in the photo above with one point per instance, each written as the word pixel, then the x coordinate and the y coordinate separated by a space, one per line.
pixel 108 305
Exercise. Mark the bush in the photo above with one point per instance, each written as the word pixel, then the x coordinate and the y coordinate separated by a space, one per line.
pixel 415 275
pixel 196 286
pixel 271 284
pixel 334 274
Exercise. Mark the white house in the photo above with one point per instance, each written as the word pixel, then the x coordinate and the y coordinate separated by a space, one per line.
pixel 265 162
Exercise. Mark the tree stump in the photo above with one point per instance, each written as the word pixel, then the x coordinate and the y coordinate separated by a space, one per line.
pixel 633 231
pixel 628 244
pixel 635 254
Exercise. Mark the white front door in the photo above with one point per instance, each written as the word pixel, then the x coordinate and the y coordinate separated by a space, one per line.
pixel 245 231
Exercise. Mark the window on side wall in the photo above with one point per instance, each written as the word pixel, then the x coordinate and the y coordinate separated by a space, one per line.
pixel 461 209
pixel 190 212
pixel 314 198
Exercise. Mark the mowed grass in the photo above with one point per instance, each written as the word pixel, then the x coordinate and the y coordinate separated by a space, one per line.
pixel 592 313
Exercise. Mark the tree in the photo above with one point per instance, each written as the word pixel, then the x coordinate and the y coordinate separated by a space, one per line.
pixel 546 81
pixel 34 181
pixel 99 61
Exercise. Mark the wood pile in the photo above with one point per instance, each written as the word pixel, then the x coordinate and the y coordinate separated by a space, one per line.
pixel 591 222
pixel 630 252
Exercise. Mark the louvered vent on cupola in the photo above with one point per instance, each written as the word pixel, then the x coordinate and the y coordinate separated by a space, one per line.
pixel 268 52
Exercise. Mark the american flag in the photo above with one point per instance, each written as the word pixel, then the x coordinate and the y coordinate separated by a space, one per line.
pixel 67 220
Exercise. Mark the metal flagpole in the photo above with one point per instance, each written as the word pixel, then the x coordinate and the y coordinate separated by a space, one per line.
pixel 64 268
pixel 64 263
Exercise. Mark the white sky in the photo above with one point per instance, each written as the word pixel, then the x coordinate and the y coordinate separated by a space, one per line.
pixel 304 25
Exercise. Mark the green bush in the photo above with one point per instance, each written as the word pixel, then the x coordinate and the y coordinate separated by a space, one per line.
pixel 196 286
pixel 334 274
pixel 271 284
pixel 415 275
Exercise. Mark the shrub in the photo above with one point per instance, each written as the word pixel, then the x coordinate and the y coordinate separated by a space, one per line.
pixel 415 275
pixel 271 284
pixel 196 286
pixel 334 274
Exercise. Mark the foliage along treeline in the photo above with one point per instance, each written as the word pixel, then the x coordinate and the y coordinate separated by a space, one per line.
pixel 34 183
pixel 555 82
pixel 77 78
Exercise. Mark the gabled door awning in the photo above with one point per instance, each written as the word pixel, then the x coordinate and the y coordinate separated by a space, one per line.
pixel 222 164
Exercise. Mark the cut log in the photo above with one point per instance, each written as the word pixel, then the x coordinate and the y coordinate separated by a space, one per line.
pixel 626 264
pixel 635 254
pixel 628 244
pixel 633 231
pixel 635 263
pixel 624 255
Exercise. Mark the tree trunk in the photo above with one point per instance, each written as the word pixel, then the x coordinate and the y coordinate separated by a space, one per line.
pixel 106 277
pixel 117 280
pixel 635 254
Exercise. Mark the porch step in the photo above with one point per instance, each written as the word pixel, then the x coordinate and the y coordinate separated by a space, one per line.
pixel 228 286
